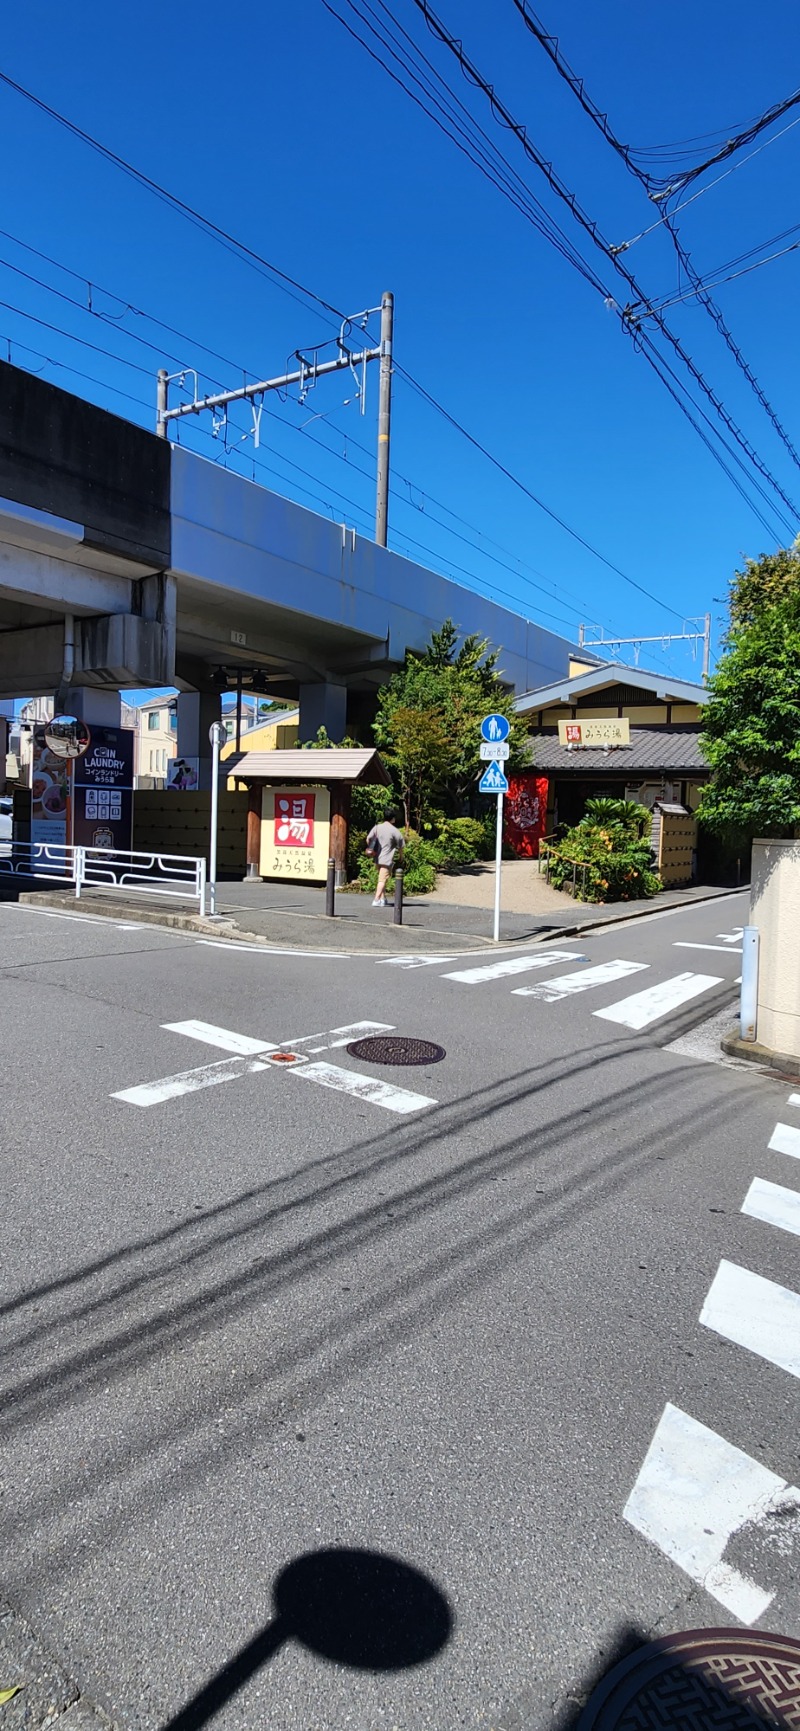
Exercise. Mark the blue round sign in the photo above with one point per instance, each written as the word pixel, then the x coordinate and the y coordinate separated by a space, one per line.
pixel 495 728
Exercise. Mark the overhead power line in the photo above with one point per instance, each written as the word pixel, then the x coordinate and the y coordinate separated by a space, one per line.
pixel 283 280
pixel 631 314
pixel 600 120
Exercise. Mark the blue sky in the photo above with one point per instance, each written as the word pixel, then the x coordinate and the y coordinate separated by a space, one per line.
pixel 273 122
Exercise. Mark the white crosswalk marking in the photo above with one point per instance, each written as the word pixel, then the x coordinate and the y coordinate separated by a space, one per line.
pixel 642 1008
pixel 694 1492
pixel 793 1100
pixel 224 1038
pixel 189 1081
pixel 775 1204
pixel 513 965
pixel 785 1139
pixel 370 1088
pixel 755 1313
pixel 338 1036
pixel 565 985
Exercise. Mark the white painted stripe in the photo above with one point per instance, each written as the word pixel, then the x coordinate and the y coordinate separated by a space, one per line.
pixel 731 937
pixel 755 1313
pixel 189 1081
pixel 264 950
pixel 695 1490
pixel 338 1036
pixel 785 1139
pixel 224 1038
pixel 514 965
pixel 726 949
pixel 793 1100
pixel 565 985
pixel 775 1204
pixel 370 1088
pixel 413 961
pixel 645 1007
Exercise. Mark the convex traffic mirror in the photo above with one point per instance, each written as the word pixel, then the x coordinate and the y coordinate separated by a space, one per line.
pixel 67 736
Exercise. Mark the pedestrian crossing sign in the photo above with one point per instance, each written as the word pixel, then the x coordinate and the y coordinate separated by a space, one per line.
pixel 493 780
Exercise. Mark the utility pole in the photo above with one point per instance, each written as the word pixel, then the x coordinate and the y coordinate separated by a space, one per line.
pixel 161 403
pixel 384 420
pixel 706 648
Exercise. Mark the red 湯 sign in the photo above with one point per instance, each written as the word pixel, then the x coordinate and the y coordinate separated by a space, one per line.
pixel 294 820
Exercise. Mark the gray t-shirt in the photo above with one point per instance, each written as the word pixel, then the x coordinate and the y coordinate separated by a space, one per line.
pixel 389 842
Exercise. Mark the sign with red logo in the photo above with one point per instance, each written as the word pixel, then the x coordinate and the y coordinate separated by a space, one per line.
pixel 573 732
pixel 294 820
pixel 526 814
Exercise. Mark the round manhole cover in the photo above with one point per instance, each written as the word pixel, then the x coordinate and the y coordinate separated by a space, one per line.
pixel 738 1678
pixel 396 1049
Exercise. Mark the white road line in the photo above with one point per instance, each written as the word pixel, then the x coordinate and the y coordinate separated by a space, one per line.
pixel 726 949
pixel 189 1081
pixel 224 1038
pixel 755 1313
pixel 369 1088
pixel 264 950
pixel 731 937
pixel 775 1204
pixel 514 965
pixel 793 1100
pixel 694 1492
pixel 338 1036
pixel 785 1139
pixel 413 961
pixel 565 985
pixel 645 1007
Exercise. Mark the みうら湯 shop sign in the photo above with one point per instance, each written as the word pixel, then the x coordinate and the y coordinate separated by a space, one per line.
pixel 295 833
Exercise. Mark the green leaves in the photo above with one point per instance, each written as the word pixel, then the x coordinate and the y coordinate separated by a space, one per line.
pixel 751 723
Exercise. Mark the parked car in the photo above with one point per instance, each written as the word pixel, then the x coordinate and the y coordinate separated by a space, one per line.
pixel 6 807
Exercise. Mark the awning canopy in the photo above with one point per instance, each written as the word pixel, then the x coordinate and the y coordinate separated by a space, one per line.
pixel 327 765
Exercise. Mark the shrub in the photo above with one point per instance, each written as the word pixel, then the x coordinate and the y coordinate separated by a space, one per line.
pixel 612 856
pixel 419 867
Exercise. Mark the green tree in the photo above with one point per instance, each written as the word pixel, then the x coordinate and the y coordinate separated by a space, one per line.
pixel 419 755
pixel 454 687
pixel 751 723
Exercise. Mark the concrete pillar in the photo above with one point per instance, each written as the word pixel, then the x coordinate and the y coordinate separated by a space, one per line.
pixel 775 910
pixel 197 711
pixel 323 705
pixel 95 705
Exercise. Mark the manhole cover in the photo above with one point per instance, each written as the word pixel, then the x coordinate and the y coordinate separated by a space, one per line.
pixel 738 1678
pixel 396 1049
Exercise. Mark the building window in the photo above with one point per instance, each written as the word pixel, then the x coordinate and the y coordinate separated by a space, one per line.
pixel 154 720
pixel 173 721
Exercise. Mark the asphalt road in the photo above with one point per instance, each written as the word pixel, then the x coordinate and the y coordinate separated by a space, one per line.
pixel 449 1315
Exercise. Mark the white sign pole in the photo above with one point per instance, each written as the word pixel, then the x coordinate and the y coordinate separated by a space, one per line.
pixel 216 734
pixel 498 854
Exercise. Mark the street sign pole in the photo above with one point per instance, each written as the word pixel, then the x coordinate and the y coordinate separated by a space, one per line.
pixel 216 735
pixel 498 854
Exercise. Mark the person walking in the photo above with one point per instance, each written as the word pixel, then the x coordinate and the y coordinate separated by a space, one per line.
pixel 384 842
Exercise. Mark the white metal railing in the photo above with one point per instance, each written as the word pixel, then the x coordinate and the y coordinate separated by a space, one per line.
pixel 41 859
pixel 96 868
pixel 155 874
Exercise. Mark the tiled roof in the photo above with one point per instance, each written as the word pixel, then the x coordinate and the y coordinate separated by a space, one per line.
pixel 661 685
pixel 657 748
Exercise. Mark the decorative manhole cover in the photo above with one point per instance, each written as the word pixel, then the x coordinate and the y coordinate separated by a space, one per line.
pixel 396 1049
pixel 739 1678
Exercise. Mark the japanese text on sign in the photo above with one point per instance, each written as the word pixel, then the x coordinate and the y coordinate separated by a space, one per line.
pixel 294 820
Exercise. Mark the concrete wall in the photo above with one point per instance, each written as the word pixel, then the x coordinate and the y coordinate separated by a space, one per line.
pixel 180 823
pixel 775 910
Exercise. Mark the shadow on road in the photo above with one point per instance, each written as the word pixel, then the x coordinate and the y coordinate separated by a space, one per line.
pixel 350 1607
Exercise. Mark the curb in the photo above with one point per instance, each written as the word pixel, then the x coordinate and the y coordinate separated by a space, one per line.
pixel 652 907
pixel 48 1696
pixel 763 1056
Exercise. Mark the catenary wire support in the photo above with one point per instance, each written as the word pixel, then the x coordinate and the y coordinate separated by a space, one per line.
pixel 693 637
pixel 305 376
